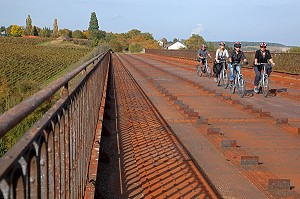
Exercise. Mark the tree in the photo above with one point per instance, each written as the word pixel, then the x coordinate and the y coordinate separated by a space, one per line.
pixel 78 34
pixel 132 33
pixel 295 50
pixel 2 29
pixel 164 40
pixel 175 40
pixel 135 47
pixel 115 45
pixel 194 42
pixel 85 34
pixel 93 22
pixel 45 32
pixel 65 32
pixel 35 31
pixel 28 28
pixel 55 29
pixel 16 31
pixel 94 33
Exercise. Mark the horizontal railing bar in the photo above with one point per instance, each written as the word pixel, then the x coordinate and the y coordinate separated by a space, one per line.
pixel 16 114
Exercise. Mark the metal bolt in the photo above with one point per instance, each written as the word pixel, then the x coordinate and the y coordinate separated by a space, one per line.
pixel 42 162
pixel 31 180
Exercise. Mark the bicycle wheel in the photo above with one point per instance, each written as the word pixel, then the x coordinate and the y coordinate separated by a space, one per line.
pixel 208 72
pixel 232 87
pixel 241 87
pixel 198 69
pixel 265 86
pixel 219 79
pixel 225 79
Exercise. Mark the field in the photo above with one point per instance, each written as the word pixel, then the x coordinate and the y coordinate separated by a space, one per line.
pixel 27 65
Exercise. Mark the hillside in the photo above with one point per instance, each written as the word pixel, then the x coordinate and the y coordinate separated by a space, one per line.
pixel 251 46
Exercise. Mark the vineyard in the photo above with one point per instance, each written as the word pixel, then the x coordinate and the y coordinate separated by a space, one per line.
pixel 26 65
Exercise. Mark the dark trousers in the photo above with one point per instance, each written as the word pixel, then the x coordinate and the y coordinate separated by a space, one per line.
pixel 217 69
pixel 257 70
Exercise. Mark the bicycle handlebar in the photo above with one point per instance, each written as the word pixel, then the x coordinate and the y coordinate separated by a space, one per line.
pixel 262 63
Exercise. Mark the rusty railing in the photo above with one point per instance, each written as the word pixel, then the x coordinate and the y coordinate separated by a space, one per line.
pixel 52 159
pixel 285 62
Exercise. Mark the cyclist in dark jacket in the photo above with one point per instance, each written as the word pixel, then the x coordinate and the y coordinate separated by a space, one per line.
pixel 235 59
pixel 262 56
pixel 202 55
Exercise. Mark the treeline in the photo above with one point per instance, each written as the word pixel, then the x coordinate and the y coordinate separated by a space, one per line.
pixel 134 40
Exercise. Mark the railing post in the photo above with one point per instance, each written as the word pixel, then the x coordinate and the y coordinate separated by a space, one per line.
pixel 65 91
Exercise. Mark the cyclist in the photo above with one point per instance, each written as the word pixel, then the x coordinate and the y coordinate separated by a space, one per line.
pixel 262 56
pixel 220 53
pixel 235 58
pixel 202 55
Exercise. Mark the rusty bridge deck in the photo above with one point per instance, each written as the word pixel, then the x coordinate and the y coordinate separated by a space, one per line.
pixel 180 136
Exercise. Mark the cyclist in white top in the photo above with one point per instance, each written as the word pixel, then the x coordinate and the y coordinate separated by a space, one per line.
pixel 221 53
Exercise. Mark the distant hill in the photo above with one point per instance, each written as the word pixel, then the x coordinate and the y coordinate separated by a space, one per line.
pixel 251 46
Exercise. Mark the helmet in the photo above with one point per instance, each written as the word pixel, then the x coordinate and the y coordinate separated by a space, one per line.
pixel 263 44
pixel 203 45
pixel 237 45
pixel 222 43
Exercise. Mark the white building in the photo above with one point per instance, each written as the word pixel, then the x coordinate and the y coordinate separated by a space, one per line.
pixel 176 46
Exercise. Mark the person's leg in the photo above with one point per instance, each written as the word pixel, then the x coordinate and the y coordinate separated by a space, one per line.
pixel 238 69
pixel 269 70
pixel 257 71
pixel 230 66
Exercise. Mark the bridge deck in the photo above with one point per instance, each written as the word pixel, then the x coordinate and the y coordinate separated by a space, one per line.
pixel 183 148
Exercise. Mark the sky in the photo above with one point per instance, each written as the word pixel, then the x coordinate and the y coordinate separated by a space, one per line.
pixel 215 20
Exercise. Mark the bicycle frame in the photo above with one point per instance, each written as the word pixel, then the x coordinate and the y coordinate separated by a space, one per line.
pixel 239 81
pixel 264 80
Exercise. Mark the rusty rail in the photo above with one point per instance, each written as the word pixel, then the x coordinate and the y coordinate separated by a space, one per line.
pixel 285 62
pixel 51 160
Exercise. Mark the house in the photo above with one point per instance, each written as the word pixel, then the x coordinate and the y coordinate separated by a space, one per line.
pixel 3 34
pixel 176 46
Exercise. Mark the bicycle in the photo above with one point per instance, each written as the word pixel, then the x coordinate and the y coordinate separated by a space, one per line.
pixel 222 76
pixel 264 83
pixel 205 69
pixel 239 82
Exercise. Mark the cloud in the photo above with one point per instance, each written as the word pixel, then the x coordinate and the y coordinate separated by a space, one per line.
pixel 198 30
pixel 116 16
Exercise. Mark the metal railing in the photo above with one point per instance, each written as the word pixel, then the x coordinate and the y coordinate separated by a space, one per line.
pixel 285 62
pixel 52 159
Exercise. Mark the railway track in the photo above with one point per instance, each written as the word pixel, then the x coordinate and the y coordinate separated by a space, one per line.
pixel 153 164
pixel 255 135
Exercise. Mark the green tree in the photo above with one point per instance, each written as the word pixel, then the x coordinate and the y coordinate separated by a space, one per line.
pixel 45 32
pixel 93 25
pixel 55 29
pixel 28 28
pixel 78 34
pixel 65 32
pixel 132 33
pixel 194 42
pixel 175 40
pixel 2 29
pixel 135 47
pixel 35 31
pixel 94 33
pixel 115 45
pixel 16 31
